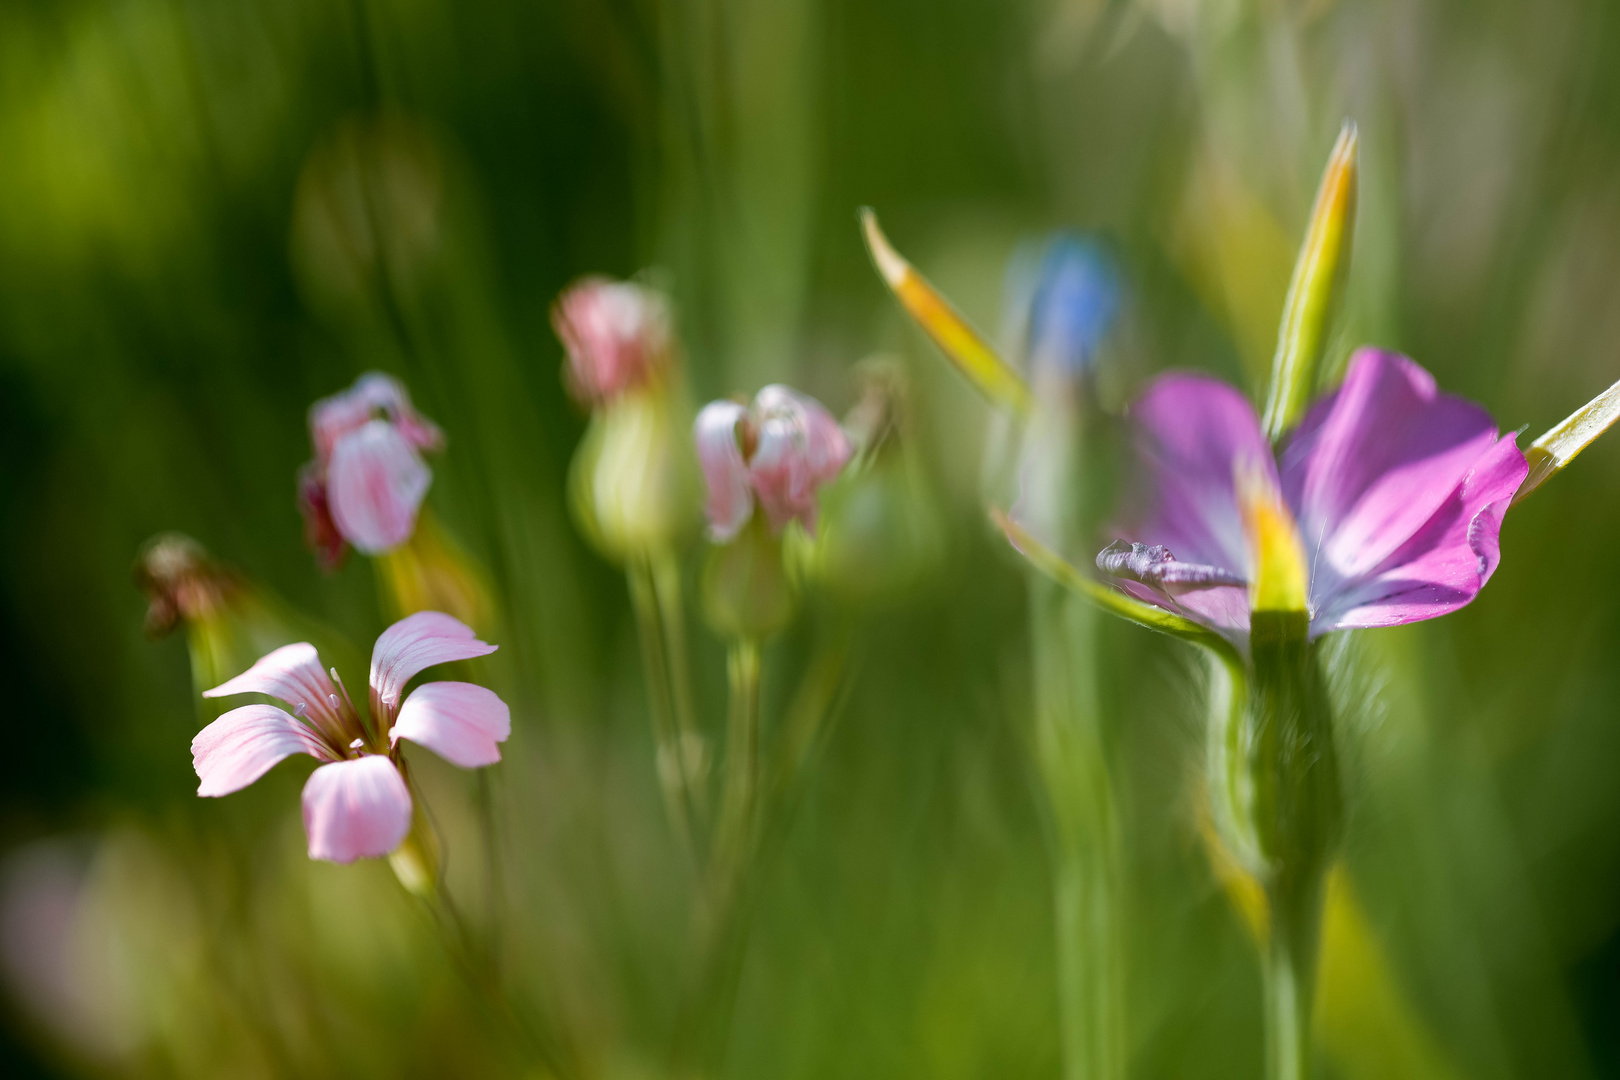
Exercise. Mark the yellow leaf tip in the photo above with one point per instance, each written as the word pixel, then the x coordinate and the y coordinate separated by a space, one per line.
pixel 889 262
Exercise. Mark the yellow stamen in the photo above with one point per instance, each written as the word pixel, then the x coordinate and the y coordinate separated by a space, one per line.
pixel 1279 576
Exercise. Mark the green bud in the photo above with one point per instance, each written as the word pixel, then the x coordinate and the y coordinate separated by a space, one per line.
pixel 747 592
pixel 1314 291
pixel 630 485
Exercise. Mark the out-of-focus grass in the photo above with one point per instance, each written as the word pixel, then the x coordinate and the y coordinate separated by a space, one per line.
pixel 181 273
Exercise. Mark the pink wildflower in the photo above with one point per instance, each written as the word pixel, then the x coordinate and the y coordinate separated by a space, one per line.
pixel 780 451
pixel 367 481
pixel 357 804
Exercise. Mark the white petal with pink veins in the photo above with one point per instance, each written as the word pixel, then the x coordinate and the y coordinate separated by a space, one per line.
pixel 461 722
pixel 246 743
pixel 416 642
pixel 356 809
pixel 294 674
pixel 731 497
pixel 375 485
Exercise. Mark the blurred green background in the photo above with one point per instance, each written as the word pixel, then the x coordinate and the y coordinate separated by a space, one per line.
pixel 185 264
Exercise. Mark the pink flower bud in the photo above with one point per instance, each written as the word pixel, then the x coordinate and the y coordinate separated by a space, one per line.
pixel 618 335
pixel 779 451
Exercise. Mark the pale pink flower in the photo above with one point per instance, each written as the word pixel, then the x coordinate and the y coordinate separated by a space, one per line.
pixel 779 451
pixel 356 805
pixel 618 335
pixel 366 484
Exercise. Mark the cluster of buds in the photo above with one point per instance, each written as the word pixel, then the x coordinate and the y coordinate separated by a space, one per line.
pixel 367 481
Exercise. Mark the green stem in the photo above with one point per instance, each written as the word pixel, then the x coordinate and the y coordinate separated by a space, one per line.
pixel 1289 974
pixel 666 581
pixel 672 759
pixel 739 804
pixel 1087 875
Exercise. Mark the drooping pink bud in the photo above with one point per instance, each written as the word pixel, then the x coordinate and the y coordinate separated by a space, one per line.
pixel 367 482
pixel 618 335
pixel 779 451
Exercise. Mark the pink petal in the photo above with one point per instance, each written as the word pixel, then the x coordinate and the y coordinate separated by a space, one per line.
pixel 356 809
pixel 246 743
pixel 375 485
pixel 1374 461
pixel 294 674
pixel 1446 562
pixel 1191 433
pixel 331 418
pixel 417 642
pixel 801 447
pixel 461 722
pixel 731 499
pixel 617 334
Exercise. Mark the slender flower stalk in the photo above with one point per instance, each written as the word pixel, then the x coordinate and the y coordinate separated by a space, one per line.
pixel 764 464
pixel 1059 313
pixel 629 490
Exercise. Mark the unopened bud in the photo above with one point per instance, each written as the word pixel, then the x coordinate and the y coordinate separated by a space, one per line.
pixel 1314 292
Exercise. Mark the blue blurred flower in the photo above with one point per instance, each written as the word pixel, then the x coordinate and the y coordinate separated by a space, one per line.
pixel 1067 303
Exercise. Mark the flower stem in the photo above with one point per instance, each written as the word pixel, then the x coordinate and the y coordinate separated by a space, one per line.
pixel 672 757
pixel 666 581
pixel 739 804
pixel 1289 968
pixel 1084 835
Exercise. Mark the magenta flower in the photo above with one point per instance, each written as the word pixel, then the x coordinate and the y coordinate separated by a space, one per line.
pixel 367 482
pixel 357 804
pixel 780 451
pixel 618 335
pixel 1398 492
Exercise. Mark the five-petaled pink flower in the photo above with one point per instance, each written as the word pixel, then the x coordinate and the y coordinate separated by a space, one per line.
pixel 1397 489
pixel 356 804
pixel 618 335
pixel 780 451
pixel 367 482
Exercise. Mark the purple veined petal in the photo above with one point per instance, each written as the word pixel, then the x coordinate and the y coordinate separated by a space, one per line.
pixel 375 485
pixel 461 722
pixel 1192 431
pixel 292 673
pixel 415 643
pixel 1446 562
pixel 331 418
pixel 801 447
pixel 730 500
pixel 356 809
pixel 1373 462
pixel 246 743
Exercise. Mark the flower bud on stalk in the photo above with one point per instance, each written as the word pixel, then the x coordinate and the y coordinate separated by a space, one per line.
pixel 228 620
pixel 764 465
pixel 1314 292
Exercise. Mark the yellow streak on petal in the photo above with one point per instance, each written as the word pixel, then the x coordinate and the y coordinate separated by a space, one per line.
pixel 1318 275
pixel 961 344
pixel 1279 577
pixel 1556 449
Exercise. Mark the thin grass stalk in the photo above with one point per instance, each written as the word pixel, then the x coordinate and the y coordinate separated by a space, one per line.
pixel 671 759
pixel 1083 836
pixel 666 581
